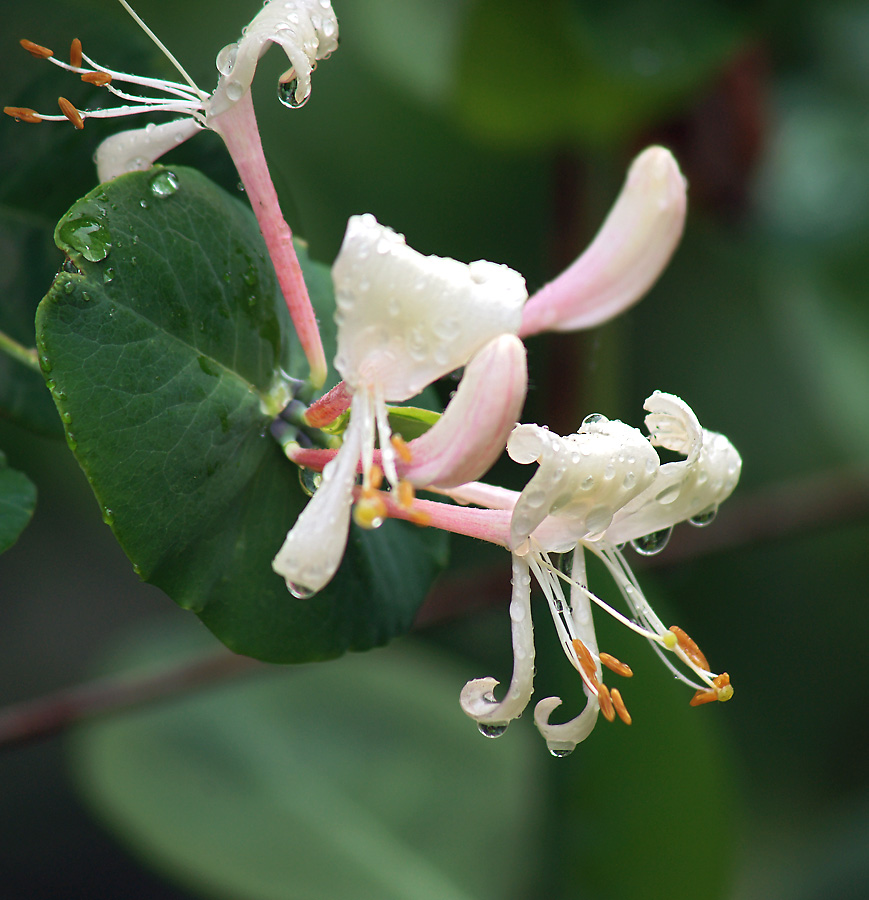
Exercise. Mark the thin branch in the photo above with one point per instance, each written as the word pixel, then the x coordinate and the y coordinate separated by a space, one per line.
pixel 26 355
pixel 49 715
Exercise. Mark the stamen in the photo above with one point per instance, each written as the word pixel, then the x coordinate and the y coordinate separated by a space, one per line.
pixel 100 79
pixel 75 53
pixel 70 112
pixel 704 696
pixel 375 478
pixel 406 494
pixel 606 704
pixel 619 704
pixel 690 648
pixel 370 511
pixel 23 114
pixel 616 665
pixel 401 448
pixel 723 687
pixel 586 660
pixel 36 50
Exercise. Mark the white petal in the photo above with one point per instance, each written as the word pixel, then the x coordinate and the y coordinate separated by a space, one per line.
pixel 629 253
pixel 305 29
pixel 582 480
pixel 562 738
pixel 477 699
pixel 465 442
pixel 314 546
pixel 135 150
pixel 682 490
pixel 404 319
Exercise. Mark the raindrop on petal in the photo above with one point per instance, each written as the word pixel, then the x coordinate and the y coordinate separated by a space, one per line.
pixel 653 543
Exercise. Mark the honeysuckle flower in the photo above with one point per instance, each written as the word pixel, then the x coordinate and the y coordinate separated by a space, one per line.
pixel 592 491
pixel 307 31
pixel 626 257
pixel 405 320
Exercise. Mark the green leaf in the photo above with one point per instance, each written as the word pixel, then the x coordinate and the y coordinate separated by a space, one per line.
pixel 17 502
pixel 359 779
pixel 411 421
pixel 161 354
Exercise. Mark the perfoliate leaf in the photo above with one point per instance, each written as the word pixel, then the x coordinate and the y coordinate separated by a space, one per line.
pixel 17 502
pixel 164 353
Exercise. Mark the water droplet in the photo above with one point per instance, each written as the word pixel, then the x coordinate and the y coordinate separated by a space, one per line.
pixel 310 480
pixel 207 365
pixel 588 484
pixel 45 363
pixel 653 543
pixel 70 266
pixel 594 417
pixel 234 91
pixel 669 494
pixel 704 518
pixel 68 288
pixel 137 569
pixel 226 59
pixel 559 751
pixel 287 94
pixel 630 480
pixel 144 205
pixel 300 591
pixel 108 515
pixel 517 611
pixel 164 183
pixel 108 275
pixel 87 236
pixel 491 731
pixel 66 418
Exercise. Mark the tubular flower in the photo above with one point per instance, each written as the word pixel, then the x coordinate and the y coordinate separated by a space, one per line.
pixel 307 31
pixel 626 257
pixel 592 491
pixel 405 320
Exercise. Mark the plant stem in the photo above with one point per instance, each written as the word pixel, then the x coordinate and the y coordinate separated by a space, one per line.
pixel 23 354
pixel 46 716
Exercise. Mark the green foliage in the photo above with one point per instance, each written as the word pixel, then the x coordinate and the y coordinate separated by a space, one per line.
pixel 17 502
pixel 163 349
pixel 360 779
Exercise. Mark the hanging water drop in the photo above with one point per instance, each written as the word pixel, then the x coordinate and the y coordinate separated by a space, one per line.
pixel 301 591
pixel 593 418
pixel 705 518
pixel 492 731
pixel 164 184
pixel 653 543
pixel 559 751
pixel 310 480
pixel 287 94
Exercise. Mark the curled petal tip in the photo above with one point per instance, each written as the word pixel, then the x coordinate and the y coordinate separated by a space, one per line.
pixel 626 257
pixel 473 430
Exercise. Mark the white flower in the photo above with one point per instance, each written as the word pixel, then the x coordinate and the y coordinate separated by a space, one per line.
pixel 405 320
pixel 592 491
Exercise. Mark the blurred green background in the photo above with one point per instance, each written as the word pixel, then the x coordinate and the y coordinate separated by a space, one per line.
pixel 500 130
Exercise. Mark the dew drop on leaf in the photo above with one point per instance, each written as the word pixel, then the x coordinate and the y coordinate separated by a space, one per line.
pixel 164 184
pixel 88 236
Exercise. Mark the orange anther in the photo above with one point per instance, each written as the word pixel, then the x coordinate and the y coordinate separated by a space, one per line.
pixel 619 704
pixel 401 448
pixel 406 494
pixel 586 660
pixel 100 79
pixel 375 477
pixel 36 50
pixel 690 648
pixel 75 53
pixel 22 114
pixel 70 112
pixel 616 665
pixel 605 702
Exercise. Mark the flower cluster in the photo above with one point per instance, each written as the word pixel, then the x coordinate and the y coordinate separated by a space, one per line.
pixel 406 320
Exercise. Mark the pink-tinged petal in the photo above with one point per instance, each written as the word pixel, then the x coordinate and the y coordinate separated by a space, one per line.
pixel 472 433
pixel 331 405
pixel 492 525
pixel 313 458
pixel 626 257
pixel 136 150
pixel 477 698
pixel 486 495
pixel 238 128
